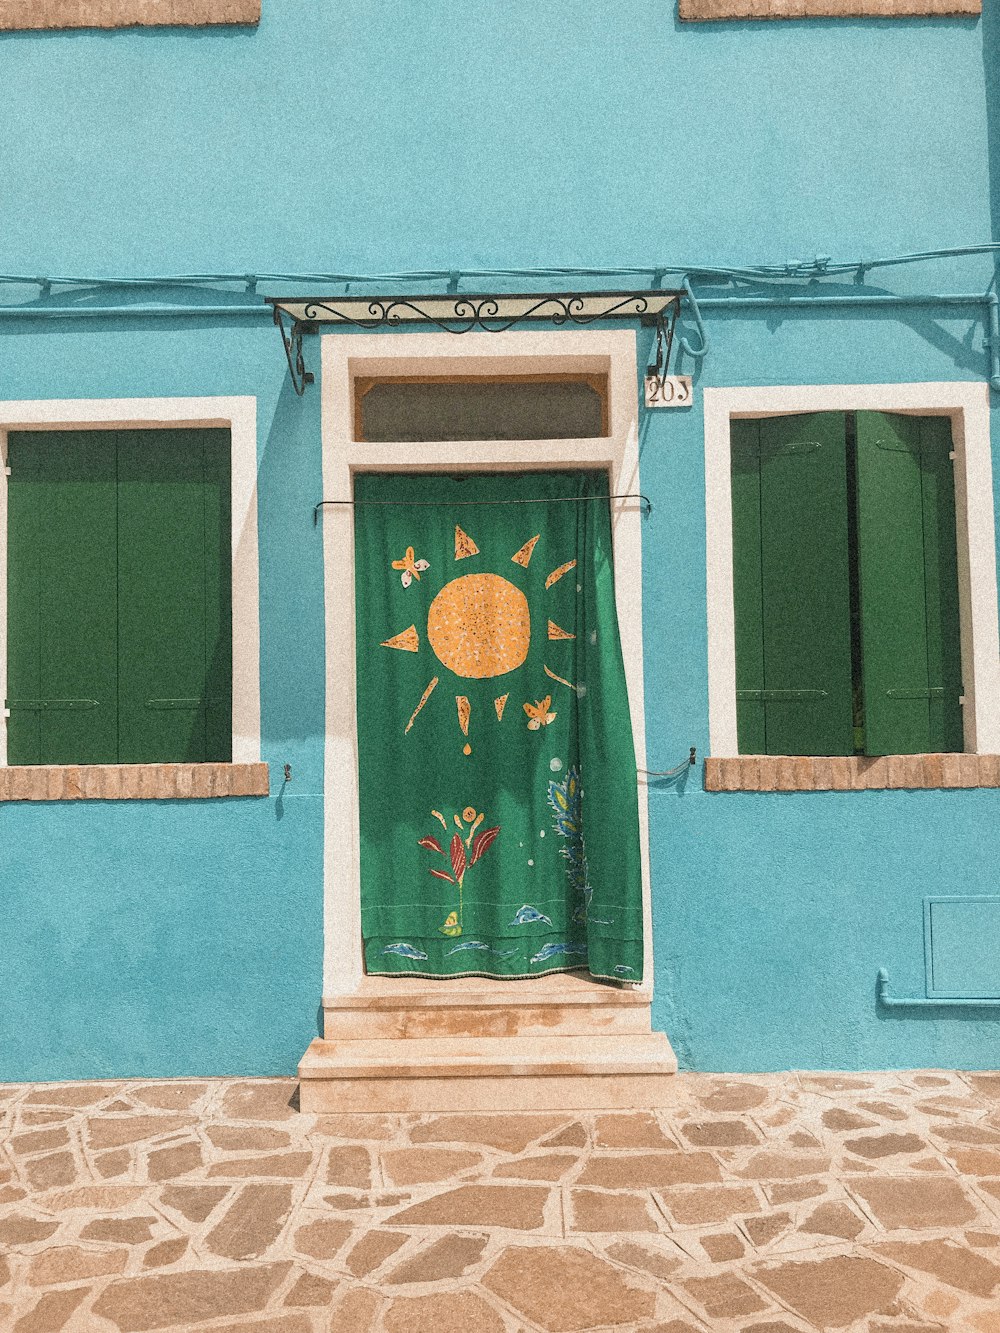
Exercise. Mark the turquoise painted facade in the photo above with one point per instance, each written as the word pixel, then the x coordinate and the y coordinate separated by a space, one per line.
pixel 186 937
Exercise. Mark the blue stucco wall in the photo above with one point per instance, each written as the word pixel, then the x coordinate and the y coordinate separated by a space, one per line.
pixel 187 937
pixel 184 936
pixel 373 138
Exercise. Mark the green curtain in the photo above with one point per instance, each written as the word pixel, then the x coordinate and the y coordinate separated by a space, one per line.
pixel 499 808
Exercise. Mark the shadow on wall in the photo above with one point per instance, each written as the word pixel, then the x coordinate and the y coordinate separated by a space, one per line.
pixel 966 350
pixel 289 482
pixel 966 353
pixel 203 32
pixel 991 69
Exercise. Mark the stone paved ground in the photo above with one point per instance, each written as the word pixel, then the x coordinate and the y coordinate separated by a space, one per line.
pixel 766 1203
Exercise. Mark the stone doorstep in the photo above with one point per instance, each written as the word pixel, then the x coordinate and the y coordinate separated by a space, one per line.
pixel 489 1057
pixel 563 1004
pixel 541 1020
pixel 488 1073
pixel 436 1096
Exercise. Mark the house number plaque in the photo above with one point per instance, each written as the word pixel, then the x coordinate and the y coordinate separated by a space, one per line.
pixel 668 391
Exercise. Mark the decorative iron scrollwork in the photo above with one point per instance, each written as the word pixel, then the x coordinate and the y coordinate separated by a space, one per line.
pixel 479 312
pixel 462 313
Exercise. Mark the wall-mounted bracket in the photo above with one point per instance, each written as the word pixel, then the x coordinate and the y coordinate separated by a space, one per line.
pixel 661 388
pixel 291 338
pixel 460 313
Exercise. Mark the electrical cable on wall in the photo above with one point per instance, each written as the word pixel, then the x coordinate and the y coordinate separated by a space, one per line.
pixel 818 266
pixel 786 280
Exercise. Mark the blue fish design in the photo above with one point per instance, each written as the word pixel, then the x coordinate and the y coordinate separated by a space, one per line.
pixel 503 953
pixel 555 950
pixel 467 944
pixel 526 915
pixel 621 969
pixel 404 951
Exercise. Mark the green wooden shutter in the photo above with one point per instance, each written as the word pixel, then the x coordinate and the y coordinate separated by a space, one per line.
pixel 748 588
pixel 174 618
pixel 911 657
pixel 944 645
pixel 62 665
pixel 218 596
pixel 792 585
pixel 806 581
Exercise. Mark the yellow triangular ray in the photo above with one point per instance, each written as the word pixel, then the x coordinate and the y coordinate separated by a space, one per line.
pixel 500 703
pixel 561 679
pixel 413 717
pixel 557 574
pixel 556 633
pixel 464 545
pixel 407 642
pixel 464 712
pixel 523 556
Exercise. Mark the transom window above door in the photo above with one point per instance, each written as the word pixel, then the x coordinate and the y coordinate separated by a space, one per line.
pixel 845 585
pixel 469 407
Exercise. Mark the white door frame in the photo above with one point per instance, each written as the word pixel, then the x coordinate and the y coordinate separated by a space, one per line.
pixel 346 357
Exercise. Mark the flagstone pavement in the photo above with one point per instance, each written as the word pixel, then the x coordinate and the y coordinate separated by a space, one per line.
pixel 769 1203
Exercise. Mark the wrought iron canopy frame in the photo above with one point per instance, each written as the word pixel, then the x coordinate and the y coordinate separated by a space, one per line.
pixel 461 312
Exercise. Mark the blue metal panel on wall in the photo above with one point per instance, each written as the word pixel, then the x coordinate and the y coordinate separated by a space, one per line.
pixel 962 947
pixel 771 913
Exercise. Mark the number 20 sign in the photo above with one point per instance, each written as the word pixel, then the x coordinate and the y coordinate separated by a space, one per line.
pixel 668 391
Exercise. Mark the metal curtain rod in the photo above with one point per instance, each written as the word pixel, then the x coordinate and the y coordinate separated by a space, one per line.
pixel 540 500
pixel 671 772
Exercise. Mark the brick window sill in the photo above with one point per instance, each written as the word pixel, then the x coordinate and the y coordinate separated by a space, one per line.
pixel 704 11
pixel 34 15
pixel 909 772
pixel 131 782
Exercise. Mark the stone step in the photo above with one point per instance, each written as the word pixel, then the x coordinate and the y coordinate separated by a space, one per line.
pixel 564 1004
pixel 592 1072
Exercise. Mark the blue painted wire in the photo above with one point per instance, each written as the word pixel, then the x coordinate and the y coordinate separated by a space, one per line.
pixel 820 265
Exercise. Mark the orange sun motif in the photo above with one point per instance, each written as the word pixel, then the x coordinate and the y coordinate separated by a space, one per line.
pixel 479 627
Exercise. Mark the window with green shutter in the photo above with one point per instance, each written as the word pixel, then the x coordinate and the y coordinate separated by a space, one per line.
pixel 119 631
pixel 845 585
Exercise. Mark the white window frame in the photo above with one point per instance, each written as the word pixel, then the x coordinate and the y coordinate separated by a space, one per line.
pixel 968 407
pixel 347 357
pixel 239 417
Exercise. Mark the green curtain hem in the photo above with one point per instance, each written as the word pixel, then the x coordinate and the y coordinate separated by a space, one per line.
pixel 493 976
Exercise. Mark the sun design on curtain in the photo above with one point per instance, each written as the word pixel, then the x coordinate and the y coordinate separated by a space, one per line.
pixel 498 805
pixel 479 628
